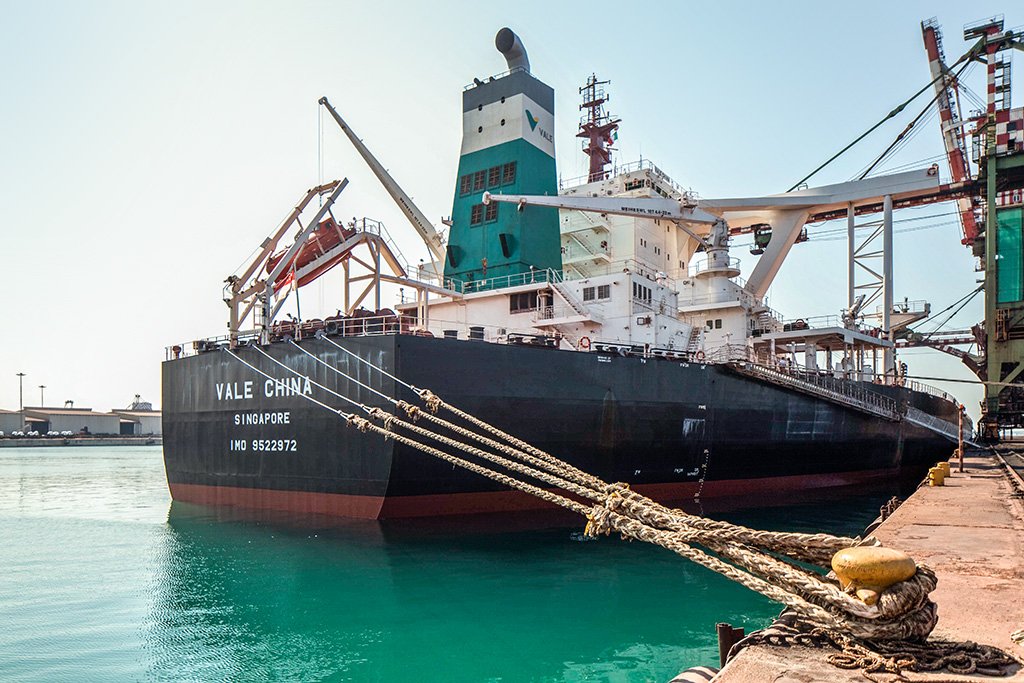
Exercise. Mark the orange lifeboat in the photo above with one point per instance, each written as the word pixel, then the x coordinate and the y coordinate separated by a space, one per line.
pixel 325 237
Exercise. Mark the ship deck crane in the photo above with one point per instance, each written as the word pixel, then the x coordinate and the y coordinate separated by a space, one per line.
pixel 424 228
pixel 948 97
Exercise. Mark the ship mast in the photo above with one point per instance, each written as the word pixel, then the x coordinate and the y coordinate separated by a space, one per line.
pixel 597 127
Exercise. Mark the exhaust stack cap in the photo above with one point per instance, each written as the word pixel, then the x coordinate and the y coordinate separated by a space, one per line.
pixel 511 47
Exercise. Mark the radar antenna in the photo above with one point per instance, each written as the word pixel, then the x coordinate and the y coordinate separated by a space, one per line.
pixel 597 127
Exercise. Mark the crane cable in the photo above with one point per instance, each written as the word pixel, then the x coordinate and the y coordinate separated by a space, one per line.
pixel 895 112
pixel 909 126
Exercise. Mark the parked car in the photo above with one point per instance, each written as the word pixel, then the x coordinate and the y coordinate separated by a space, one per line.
pixel 67 432
pixel 52 433
pixel 17 433
pixel 33 433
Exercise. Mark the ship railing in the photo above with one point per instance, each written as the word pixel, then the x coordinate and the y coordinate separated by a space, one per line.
pixel 632 167
pixel 705 265
pixel 336 326
pixel 504 281
pixel 634 267
pixel 936 424
pixel 916 306
pixel 495 77
pixel 914 385
pixel 811 322
pixel 728 353
pixel 582 251
pixel 826 386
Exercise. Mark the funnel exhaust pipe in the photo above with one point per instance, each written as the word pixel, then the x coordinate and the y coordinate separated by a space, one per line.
pixel 512 49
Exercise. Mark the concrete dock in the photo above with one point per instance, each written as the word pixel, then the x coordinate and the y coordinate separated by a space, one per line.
pixel 43 441
pixel 971 532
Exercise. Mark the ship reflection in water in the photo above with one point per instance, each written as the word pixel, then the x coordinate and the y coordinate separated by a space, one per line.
pixel 505 597
pixel 101 580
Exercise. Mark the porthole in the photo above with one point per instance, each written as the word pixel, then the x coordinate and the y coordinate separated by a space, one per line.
pixel 503 122
pixel 480 129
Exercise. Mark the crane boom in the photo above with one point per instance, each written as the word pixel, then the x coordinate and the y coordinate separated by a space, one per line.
pixel 652 207
pixel 431 237
pixel 947 96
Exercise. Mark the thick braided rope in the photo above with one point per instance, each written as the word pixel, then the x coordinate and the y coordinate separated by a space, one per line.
pixel 817 548
pixel 619 523
pixel 729 541
pixel 833 601
pixel 893 657
pixel 906 626
pixel 792 578
pixel 364 425
pixel 908 596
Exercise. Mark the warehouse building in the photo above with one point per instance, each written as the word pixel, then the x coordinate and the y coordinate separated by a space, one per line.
pixel 140 422
pixel 10 421
pixel 77 420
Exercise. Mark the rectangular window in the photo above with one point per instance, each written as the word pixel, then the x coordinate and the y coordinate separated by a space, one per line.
pixel 491 214
pixel 588 293
pixel 476 215
pixel 524 301
pixel 466 184
pixel 718 323
pixel 479 178
pixel 642 293
pixel 508 173
pixel 493 176
pixel 604 291
pixel 710 324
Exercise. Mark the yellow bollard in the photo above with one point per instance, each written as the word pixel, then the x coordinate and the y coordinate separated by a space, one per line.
pixel 866 571
pixel 944 466
pixel 935 477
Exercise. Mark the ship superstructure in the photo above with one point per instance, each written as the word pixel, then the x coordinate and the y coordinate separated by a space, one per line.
pixel 605 321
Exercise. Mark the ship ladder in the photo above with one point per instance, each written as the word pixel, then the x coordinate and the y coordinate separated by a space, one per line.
pixel 866 623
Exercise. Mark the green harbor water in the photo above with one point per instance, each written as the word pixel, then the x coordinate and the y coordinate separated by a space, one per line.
pixel 103 579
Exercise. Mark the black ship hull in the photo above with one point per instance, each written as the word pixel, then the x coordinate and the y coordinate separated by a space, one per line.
pixel 233 437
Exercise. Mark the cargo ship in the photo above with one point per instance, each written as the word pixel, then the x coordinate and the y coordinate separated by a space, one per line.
pixel 602 320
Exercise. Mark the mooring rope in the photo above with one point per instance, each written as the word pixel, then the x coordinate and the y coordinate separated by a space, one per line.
pixel 815 548
pixel 760 559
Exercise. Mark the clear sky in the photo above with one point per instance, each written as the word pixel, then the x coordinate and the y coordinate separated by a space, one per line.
pixel 147 147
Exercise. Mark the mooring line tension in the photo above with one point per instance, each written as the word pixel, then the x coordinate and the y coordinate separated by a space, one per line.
pixel 801 589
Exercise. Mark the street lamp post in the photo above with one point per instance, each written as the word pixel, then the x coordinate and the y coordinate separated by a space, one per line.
pixel 41 401
pixel 21 382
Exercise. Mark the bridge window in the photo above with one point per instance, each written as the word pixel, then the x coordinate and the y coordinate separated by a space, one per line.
pixel 524 301
pixel 491 214
pixel 588 293
pixel 479 178
pixel 508 173
pixel 642 293
pixel 604 291
pixel 493 176
pixel 476 214
pixel 466 184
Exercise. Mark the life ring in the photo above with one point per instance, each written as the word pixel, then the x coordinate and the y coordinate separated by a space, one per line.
pixel 699 355
pixel 584 343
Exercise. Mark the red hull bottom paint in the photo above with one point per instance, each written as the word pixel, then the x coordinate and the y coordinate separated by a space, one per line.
pixel 381 507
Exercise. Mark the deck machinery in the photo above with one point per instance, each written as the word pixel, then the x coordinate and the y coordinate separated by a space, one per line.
pixel 990 208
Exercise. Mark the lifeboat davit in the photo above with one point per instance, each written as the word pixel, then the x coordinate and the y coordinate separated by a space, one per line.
pixel 325 237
